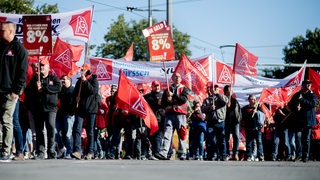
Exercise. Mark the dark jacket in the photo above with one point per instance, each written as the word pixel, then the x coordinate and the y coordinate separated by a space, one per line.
pixel 307 115
pixel 179 103
pixel 66 101
pixel 154 101
pixel 13 67
pixel 89 96
pixel 250 121
pixel 234 114
pixel 47 99
pixel 219 113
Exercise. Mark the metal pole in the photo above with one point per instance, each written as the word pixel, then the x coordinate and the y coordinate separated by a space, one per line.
pixel 169 14
pixel 150 13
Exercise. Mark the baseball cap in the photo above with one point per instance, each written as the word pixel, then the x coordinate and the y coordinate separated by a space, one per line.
pixel 44 62
pixel 86 66
pixel 155 83
pixel 307 81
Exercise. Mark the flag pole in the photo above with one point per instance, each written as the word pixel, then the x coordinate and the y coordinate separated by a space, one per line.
pixel 85 58
pixel 82 73
pixel 165 70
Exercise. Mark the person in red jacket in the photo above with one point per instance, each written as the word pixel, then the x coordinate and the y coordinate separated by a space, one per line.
pixel 315 140
pixel 174 100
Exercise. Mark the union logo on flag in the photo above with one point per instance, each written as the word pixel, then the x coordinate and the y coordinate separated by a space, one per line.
pixel 80 24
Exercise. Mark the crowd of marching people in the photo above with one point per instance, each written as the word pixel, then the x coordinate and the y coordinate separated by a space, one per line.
pixel 47 117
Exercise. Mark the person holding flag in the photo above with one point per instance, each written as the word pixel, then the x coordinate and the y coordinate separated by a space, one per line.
pixel 42 93
pixel 174 100
pixel 253 119
pixel 303 104
pixel 86 107
pixel 215 108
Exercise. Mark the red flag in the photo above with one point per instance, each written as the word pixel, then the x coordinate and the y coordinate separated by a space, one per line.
pixel 288 92
pixel 223 73
pixel 244 62
pixel 266 111
pixel 129 98
pixel 298 77
pixel 278 96
pixel 315 78
pixel 129 54
pixel 64 57
pixel 192 77
pixel 272 96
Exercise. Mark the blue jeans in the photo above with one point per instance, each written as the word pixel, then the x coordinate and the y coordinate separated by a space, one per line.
pixel 64 124
pixel 77 127
pixel 281 135
pixel 252 135
pixel 196 141
pixel 17 130
pixel 216 140
pixel 295 142
pixel 235 131
pixel 305 139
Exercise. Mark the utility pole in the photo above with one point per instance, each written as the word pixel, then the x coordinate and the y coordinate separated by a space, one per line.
pixel 150 13
pixel 169 14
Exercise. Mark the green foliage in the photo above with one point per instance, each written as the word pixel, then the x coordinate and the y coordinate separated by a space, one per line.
pixel 47 9
pixel 26 7
pixel 298 50
pixel 121 34
pixel 302 48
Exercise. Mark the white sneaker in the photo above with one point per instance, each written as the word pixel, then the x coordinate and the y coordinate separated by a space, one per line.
pixel 61 153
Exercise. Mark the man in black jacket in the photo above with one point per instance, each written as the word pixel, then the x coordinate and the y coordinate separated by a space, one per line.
pixel 13 69
pixel 87 101
pixel 154 100
pixel 232 122
pixel 43 94
pixel 303 104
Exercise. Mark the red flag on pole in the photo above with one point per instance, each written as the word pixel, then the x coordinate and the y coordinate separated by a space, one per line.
pixel 129 54
pixel 223 73
pixel 278 96
pixel 315 78
pixel 244 62
pixel 297 79
pixel 129 98
pixel 64 57
pixel 192 77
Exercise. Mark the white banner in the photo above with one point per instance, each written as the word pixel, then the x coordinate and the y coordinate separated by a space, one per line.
pixel 73 25
pixel 108 70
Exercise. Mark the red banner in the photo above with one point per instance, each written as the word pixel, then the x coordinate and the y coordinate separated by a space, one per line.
pixel 160 42
pixel 37 37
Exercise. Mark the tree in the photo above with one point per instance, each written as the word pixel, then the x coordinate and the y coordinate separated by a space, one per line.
pixel 26 7
pixel 297 51
pixel 302 48
pixel 121 34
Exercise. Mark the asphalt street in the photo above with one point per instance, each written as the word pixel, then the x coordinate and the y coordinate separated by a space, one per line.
pixel 157 170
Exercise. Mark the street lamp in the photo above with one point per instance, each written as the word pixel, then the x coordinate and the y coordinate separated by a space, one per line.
pixel 224 46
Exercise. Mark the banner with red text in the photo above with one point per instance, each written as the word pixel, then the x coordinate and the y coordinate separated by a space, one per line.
pixel 160 42
pixel 37 35
pixel 73 25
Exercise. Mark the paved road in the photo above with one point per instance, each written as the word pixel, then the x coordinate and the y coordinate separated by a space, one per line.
pixel 157 170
